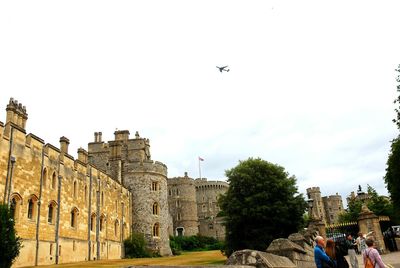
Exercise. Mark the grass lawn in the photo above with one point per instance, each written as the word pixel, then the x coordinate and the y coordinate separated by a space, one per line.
pixel 213 257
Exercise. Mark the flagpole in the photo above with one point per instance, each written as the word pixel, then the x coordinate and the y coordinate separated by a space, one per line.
pixel 199 168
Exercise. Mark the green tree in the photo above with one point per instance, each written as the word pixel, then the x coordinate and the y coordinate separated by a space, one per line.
pixel 261 204
pixel 392 176
pixel 136 246
pixel 379 205
pixel 10 243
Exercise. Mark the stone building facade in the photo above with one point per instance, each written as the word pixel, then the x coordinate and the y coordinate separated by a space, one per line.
pixel 326 208
pixel 193 205
pixel 183 206
pixel 129 161
pixel 65 209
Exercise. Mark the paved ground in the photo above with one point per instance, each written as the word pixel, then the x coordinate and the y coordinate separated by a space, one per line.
pixel 391 258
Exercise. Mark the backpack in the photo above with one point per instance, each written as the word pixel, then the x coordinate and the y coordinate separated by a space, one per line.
pixel 368 261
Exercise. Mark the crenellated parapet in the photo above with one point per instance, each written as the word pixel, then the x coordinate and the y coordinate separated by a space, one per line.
pixel 39 179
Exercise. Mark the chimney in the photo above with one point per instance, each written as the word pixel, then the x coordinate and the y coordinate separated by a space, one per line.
pixel 82 155
pixel 186 175
pixel 64 142
pixel 96 137
pixel 100 138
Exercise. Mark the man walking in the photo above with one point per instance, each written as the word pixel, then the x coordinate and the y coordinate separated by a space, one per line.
pixel 351 250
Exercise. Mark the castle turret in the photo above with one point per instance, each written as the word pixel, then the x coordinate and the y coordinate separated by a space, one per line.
pixel 128 160
pixel 318 210
pixel 182 205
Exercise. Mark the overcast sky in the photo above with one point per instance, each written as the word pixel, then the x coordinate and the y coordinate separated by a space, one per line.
pixel 311 83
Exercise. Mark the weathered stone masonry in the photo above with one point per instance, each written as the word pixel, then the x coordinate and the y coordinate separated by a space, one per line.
pixel 65 209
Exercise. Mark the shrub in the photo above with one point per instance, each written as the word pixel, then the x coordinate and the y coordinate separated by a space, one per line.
pixel 194 243
pixel 10 243
pixel 136 246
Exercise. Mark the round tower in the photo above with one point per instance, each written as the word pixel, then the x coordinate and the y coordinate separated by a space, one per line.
pixel 182 205
pixel 207 194
pixel 129 161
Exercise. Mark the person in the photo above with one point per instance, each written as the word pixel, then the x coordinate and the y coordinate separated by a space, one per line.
pixel 372 254
pixel 321 259
pixel 361 246
pixel 351 246
pixel 336 254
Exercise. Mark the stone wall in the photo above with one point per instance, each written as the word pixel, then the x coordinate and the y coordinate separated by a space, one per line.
pixel 43 180
pixel 129 161
pixel 295 251
pixel 207 194
pixel 182 206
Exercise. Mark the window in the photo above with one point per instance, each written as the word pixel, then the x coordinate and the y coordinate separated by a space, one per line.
pixel 51 211
pixel 15 204
pixel 154 186
pixel 73 245
pixel 85 193
pixel 51 249
pixel 169 192
pixel 53 181
pixel 155 208
pixel 102 219
pixel 178 216
pixel 32 207
pixel 92 222
pixel 74 217
pixel 44 178
pixel 116 227
pixel 156 230
pixel 102 199
pixel 178 203
pixel 75 189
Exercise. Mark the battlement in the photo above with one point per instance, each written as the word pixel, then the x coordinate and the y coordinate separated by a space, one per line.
pixel 16 113
pixel 204 183
pixel 313 190
pixel 148 166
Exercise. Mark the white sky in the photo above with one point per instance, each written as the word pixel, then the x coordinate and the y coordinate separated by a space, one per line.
pixel 311 85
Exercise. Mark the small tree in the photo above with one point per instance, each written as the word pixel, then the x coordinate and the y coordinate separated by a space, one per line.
pixel 261 204
pixel 136 246
pixel 10 243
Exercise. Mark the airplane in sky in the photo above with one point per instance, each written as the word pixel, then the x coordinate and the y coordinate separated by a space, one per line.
pixel 223 69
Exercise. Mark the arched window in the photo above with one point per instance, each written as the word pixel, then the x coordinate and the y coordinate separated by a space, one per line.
pixel 74 217
pixel 75 189
pixel 116 227
pixel 32 207
pixel 44 178
pixel 51 212
pixel 92 222
pixel 156 229
pixel 102 221
pixel 155 208
pixel 15 204
pixel 54 181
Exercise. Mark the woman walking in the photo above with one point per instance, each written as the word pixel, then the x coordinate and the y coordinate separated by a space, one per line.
pixel 336 254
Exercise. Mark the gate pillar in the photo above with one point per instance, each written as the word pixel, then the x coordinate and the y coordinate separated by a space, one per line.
pixel 368 222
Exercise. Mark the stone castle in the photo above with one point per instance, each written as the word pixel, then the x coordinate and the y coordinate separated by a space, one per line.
pixel 69 210
pixel 193 205
pixel 326 208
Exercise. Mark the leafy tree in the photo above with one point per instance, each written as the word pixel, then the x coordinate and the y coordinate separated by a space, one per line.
pixel 10 243
pixel 136 246
pixel 379 205
pixel 261 204
pixel 392 177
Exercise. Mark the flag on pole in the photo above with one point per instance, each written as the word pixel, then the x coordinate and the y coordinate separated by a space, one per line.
pixel 201 159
